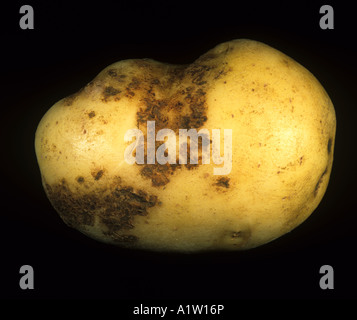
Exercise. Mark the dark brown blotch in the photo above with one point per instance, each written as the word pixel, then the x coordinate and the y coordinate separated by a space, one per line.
pixel 91 114
pixel 186 108
pixel 113 73
pixel 222 182
pixel 97 174
pixel 75 210
pixel 80 179
pixel 134 84
pixel 197 72
pixel 68 101
pixel 110 91
pixel 114 207
pixel 125 238
pixel 301 159
pixel 158 174
pixel 127 204
pixel 130 93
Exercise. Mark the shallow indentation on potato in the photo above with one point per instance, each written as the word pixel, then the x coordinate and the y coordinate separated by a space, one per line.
pixel 329 145
pixel 238 238
pixel 317 186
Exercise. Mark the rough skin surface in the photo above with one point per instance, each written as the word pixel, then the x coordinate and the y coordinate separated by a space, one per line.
pixel 283 125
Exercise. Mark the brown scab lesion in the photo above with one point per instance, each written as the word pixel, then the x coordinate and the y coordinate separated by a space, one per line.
pixel 221 73
pixel 134 84
pixel 97 174
pixel 110 92
pixel 198 72
pixel 301 160
pixel 80 179
pixel 125 238
pixel 75 210
pixel 112 208
pixel 130 93
pixel 127 204
pixel 222 182
pixel 158 174
pixel 91 114
pixel 286 62
pixel 113 73
pixel 185 108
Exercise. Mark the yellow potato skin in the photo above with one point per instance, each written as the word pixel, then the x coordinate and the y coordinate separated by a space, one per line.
pixel 283 125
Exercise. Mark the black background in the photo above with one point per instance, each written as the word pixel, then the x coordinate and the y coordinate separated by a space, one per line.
pixel 70 44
